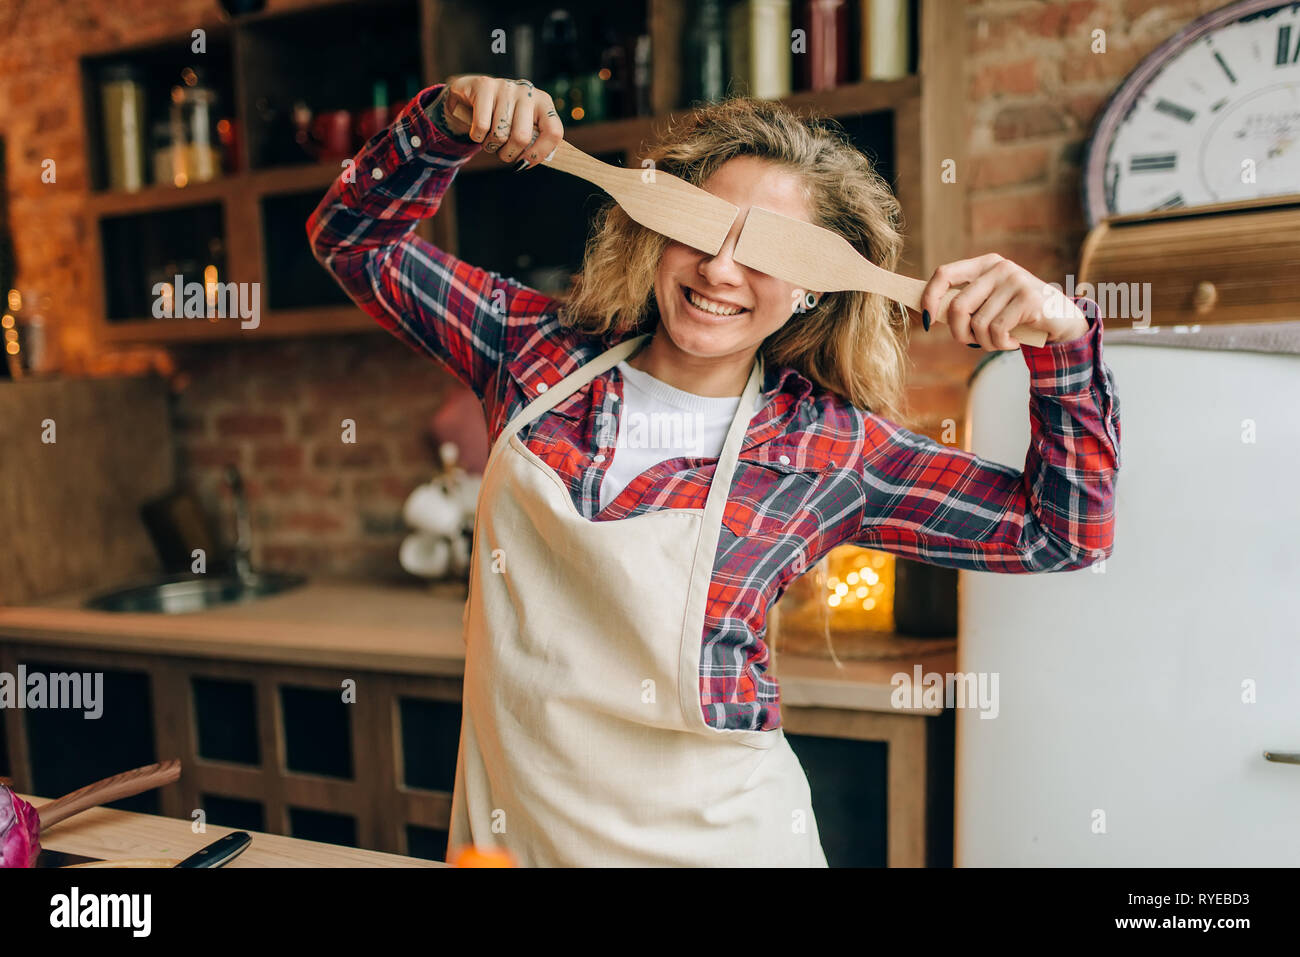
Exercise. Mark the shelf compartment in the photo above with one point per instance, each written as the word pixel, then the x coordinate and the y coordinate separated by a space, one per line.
pixel 465 27
pixel 121 738
pixel 430 741
pixel 296 56
pixel 500 215
pixel 141 250
pixel 225 719
pixel 427 842
pixel 317 732
pixel 160 64
pixel 324 826
pixel 241 814
pixel 294 279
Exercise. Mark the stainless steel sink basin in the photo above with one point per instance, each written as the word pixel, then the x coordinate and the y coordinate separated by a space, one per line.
pixel 172 596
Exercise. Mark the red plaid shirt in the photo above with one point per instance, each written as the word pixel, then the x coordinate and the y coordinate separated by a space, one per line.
pixel 814 471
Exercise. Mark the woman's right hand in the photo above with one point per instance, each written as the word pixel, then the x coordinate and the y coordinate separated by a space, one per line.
pixel 512 118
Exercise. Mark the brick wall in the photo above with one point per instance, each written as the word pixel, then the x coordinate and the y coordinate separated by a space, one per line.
pixel 1034 90
pixel 275 409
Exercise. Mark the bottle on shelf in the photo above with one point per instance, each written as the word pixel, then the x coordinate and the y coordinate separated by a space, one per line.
pixel 8 265
pixel 559 49
pixel 374 118
pixel 122 99
pixel 522 51
pixel 824 62
pixel 412 87
pixel 759 49
pixel 614 75
pixel 704 59
pixel 642 72
pixel 195 149
pixel 886 39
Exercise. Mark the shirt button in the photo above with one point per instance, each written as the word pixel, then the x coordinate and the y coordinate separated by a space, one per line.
pixel 541 387
pixel 377 173
pixel 416 141
pixel 785 460
pixel 598 457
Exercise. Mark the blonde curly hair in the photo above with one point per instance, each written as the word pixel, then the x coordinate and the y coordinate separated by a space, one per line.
pixel 851 343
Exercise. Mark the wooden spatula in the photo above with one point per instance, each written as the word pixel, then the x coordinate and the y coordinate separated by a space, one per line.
pixel 820 260
pixel 119 786
pixel 666 204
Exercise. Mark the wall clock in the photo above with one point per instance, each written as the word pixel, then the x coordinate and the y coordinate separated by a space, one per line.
pixel 1211 116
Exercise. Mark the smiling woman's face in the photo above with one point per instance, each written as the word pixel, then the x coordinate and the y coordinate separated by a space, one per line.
pixel 687 274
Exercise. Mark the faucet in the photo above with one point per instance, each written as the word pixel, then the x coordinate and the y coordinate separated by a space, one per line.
pixel 243 551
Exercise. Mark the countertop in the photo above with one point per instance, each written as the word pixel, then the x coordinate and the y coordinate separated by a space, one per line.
pixel 108 834
pixel 396 629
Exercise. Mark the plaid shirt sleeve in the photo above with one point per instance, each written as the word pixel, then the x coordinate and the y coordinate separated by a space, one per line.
pixel 944 506
pixel 362 233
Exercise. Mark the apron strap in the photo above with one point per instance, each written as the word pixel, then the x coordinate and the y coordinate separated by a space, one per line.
pixel 570 384
pixel 706 548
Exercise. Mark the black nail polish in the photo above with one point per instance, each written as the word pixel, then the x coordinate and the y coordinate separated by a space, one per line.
pixel 925 319
pixel 523 164
pixel 972 345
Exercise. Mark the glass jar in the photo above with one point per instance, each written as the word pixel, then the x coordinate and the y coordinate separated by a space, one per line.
pixel 195 149
pixel 29 338
pixel 122 97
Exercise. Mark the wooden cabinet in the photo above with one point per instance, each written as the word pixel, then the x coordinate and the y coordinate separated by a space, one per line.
pixel 248 225
pixel 348 757
pixel 367 759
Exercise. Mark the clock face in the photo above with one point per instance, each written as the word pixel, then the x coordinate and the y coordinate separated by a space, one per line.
pixel 1212 116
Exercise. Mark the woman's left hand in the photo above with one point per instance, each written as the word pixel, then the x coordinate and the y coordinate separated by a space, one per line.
pixel 999 296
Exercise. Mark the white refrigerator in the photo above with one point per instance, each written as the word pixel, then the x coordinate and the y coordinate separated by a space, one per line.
pixel 1137 701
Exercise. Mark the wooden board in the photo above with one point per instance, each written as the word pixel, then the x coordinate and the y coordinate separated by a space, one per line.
pixel 109 834
pixel 1215 265
pixel 71 507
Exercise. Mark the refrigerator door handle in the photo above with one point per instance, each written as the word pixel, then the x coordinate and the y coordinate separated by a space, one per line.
pixel 1283 757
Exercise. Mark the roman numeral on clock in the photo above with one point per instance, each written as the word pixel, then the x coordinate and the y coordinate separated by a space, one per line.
pixel 1284 55
pixel 1153 163
pixel 1219 58
pixel 1173 202
pixel 1176 111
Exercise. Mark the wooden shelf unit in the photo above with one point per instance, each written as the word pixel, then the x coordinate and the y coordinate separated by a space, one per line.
pixel 925 108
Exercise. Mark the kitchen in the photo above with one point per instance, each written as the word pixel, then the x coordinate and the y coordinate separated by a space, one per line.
pixel 250 514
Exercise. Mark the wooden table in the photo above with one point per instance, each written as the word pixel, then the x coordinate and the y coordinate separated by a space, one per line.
pixel 108 834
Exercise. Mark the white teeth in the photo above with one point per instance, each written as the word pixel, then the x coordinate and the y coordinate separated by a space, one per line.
pixel 708 305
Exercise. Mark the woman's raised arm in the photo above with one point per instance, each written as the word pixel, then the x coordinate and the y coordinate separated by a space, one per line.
pixel 948 507
pixel 362 230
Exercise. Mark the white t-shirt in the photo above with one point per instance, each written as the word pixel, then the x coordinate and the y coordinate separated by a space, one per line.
pixel 658 422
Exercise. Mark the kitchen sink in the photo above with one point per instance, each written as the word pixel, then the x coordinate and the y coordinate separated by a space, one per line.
pixel 180 594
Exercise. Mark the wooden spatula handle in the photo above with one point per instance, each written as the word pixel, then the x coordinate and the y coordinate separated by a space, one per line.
pixel 111 789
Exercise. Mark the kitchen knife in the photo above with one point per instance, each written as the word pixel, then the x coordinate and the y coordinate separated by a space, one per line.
pixel 220 852
pixel 820 260
pixel 657 200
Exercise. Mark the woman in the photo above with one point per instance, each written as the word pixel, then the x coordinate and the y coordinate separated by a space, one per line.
pixel 617 708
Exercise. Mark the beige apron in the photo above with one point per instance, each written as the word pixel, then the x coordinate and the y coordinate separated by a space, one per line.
pixel 582 739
